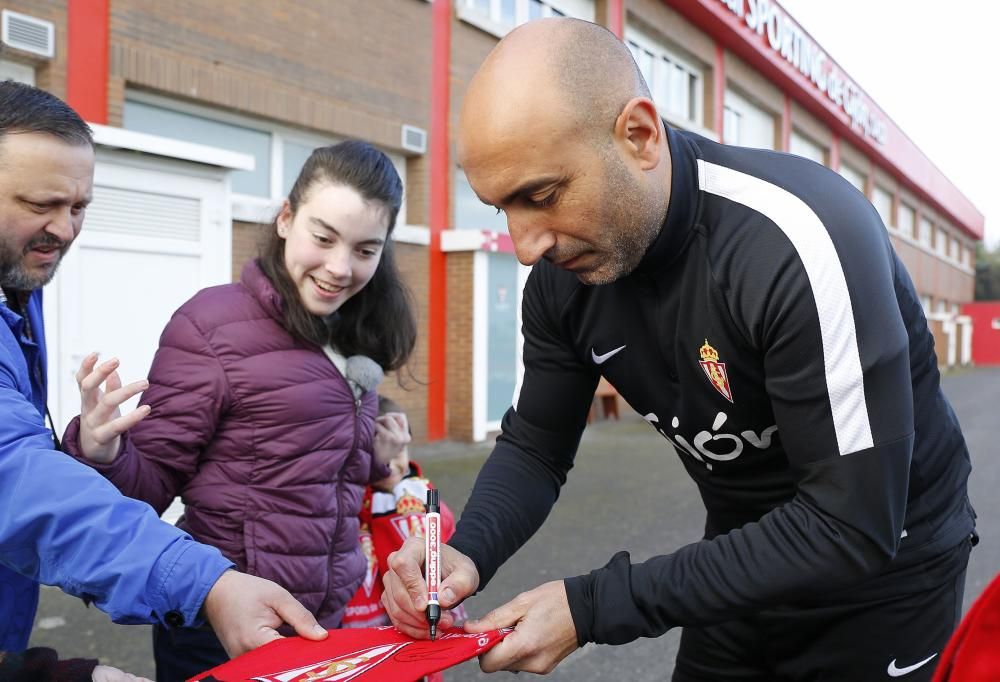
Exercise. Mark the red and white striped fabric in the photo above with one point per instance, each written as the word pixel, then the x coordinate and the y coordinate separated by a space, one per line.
pixel 364 655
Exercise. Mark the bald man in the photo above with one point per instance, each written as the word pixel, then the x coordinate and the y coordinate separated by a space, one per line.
pixel 750 306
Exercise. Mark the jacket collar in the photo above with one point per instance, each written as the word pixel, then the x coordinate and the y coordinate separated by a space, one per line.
pixel 258 284
pixel 679 222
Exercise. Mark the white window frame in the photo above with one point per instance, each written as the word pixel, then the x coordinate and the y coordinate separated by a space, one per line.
pixel 731 121
pixel 249 207
pixel 16 71
pixel 878 191
pixel 905 208
pixel 492 21
pixel 942 237
pixel 925 303
pixel 662 55
pixel 797 137
pixel 955 248
pixel 737 101
pixel 928 233
pixel 851 173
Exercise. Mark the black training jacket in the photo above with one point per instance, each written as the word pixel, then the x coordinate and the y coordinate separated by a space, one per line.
pixel 773 337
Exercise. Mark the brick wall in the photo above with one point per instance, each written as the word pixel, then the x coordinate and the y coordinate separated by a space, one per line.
pixel 934 276
pixel 357 68
pixel 245 240
pixel 409 387
pixel 459 371
pixel 50 74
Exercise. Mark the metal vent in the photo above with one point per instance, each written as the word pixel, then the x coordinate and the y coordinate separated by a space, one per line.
pixel 414 139
pixel 29 34
pixel 144 214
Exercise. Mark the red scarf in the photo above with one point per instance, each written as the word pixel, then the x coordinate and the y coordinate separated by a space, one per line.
pixel 366 655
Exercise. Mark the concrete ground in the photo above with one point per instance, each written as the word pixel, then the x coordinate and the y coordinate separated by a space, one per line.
pixel 628 491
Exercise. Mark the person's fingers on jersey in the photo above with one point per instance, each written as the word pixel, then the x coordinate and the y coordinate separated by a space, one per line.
pixel 504 616
pixel 399 606
pixel 544 633
pixel 504 655
pixel 526 649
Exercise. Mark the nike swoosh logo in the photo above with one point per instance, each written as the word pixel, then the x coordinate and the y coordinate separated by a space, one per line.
pixel 899 672
pixel 601 359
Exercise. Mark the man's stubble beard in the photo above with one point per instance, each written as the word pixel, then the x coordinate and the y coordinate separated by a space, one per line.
pixel 633 218
pixel 14 276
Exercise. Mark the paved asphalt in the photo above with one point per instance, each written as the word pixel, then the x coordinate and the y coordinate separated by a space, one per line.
pixel 628 491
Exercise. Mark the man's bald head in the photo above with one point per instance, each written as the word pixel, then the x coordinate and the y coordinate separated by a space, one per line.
pixel 558 131
pixel 570 68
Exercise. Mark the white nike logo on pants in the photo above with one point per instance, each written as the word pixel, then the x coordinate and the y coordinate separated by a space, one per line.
pixel 601 359
pixel 899 672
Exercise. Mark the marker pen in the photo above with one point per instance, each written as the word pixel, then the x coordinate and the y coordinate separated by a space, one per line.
pixel 432 554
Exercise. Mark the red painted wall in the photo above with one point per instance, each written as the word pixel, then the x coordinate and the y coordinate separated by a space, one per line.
pixel 985 331
pixel 87 63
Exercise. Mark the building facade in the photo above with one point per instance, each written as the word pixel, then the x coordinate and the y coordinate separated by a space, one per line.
pixel 206 111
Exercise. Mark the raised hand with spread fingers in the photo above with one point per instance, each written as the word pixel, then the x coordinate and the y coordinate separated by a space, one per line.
pixel 101 419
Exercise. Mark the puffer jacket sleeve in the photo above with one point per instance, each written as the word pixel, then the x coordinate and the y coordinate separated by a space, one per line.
pixel 62 525
pixel 188 394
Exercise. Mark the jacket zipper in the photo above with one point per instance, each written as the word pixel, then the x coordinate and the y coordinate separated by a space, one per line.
pixel 340 474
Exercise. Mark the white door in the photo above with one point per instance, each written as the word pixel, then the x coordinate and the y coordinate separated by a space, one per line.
pixel 156 232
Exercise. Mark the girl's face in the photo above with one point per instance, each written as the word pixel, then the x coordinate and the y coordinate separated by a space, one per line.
pixel 333 244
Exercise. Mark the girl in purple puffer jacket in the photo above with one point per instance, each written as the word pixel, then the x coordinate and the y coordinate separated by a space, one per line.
pixel 257 422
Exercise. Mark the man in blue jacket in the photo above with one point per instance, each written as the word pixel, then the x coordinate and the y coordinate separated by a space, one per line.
pixel 60 522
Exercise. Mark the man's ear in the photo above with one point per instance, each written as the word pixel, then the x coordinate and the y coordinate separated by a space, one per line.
pixel 638 129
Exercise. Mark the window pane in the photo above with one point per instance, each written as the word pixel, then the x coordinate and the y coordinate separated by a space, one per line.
pixel 470 212
pixel 295 156
pixel 501 353
pixel 730 126
pixel 803 146
pixel 856 178
pixel 147 118
pixel 480 6
pixel 635 50
pixel 645 61
pixel 679 102
pixel 14 71
pixel 661 87
pixel 756 128
pixel 925 231
pixel 535 8
pixel 882 201
pixel 906 218
pixel 940 240
pixel 507 12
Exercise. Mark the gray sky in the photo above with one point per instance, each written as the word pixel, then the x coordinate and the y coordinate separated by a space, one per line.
pixel 933 67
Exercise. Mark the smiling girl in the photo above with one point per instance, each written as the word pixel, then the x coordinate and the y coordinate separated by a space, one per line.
pixel 254 422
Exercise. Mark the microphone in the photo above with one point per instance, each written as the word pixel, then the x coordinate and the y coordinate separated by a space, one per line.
pixel 362 374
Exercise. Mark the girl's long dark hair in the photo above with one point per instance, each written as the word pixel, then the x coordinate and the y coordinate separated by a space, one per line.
pixel 378 321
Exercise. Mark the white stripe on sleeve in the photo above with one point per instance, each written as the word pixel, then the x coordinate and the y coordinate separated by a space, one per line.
pixel 809 237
